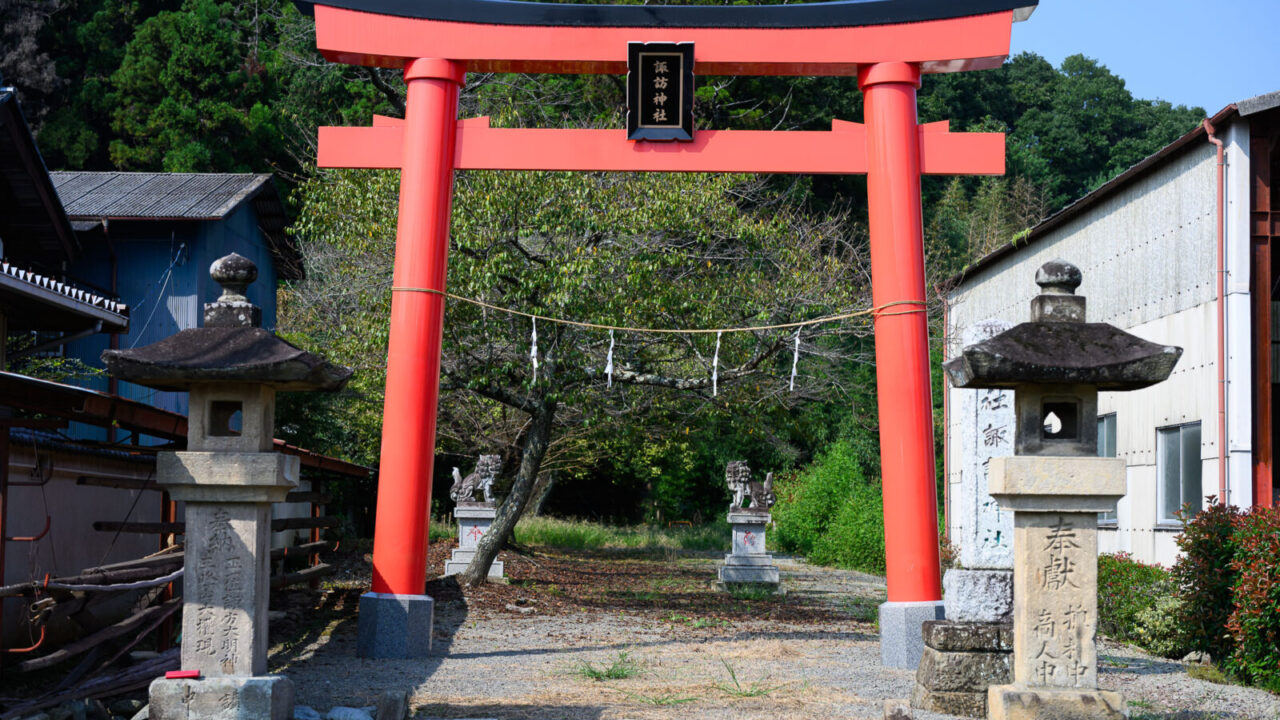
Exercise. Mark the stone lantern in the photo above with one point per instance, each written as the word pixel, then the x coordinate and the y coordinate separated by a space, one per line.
pixel 228 477
pixel 1055 485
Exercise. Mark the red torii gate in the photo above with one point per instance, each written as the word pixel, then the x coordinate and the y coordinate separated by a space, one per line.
pixel 886 43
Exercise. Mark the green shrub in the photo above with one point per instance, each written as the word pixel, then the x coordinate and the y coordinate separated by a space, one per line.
pixel 831 513
pixel 1126 588
pixel 1255 623
pixel 1204 577
pixel 855 538
pixel 1159 629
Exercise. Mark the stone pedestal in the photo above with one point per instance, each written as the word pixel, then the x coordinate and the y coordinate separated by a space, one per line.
pixel 394 626
pixel 749 562
pixel 226 585
pixel 222 698
pixel 474 520
pixel 1055 502
pixel 960 661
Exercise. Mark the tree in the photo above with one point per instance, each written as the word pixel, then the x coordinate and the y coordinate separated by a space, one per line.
pixel 669 251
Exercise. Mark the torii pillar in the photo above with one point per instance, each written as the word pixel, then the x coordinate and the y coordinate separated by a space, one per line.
pixel 887 43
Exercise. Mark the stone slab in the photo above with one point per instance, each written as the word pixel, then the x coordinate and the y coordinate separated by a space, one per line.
pixel 743 517
pixel 394 626
pixel 953 636
pixel 984 596
pixel 227 477
pixel 1055 616
pixel 983 428
pixel 901 635
pixel 225 586
pixel 966 704
pixel 462 558
pixel 765 560
pixel 1057 483
pixel 267 697
pixel 471 529
pixel 749 574
pixel 895 709
pixel 1010 702
pixel 963 671
pixel 475 510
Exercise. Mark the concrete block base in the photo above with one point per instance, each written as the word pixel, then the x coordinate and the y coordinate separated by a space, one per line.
pixel 960 661
pixel 1010 702
pixel 460 559
pixel 901 641
pixel 984 596
pixel 268 697
pixel 394 626
pixel 767 574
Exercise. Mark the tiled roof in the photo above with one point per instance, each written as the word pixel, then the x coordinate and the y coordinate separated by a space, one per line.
pixel 195 196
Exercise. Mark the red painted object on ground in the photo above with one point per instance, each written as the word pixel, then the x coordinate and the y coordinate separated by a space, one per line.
pixel 182 675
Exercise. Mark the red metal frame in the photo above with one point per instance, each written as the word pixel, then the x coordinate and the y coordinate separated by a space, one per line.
pixel 430 143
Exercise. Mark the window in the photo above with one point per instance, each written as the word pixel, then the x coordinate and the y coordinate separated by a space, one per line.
pixel 1107 448
pixel 1178 471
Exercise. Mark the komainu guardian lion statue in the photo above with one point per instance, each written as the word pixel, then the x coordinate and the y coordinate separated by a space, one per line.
pixel 738 475
pixel 464 488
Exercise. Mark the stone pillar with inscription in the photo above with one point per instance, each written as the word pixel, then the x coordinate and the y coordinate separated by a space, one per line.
pixel 1055 485
pixel 228 477
pixel 971 649
pixel 748 561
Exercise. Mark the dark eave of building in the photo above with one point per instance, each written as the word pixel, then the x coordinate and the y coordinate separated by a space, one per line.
pixel 33 225
pixel 32 301
pixel 1104 191
pixel 103 410
pixel 845 13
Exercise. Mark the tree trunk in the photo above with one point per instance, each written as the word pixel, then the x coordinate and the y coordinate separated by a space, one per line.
pixel 535 507
pixel 535 448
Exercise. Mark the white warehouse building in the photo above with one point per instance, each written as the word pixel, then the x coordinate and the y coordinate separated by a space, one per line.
pixel 1153 245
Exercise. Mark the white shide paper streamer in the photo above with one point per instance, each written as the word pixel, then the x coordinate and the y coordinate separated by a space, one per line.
pixel 715 367
pixel 533 351
pixel 608 363
pixel 795 359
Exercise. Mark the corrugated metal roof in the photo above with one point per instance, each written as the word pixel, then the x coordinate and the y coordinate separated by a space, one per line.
pixel 193 196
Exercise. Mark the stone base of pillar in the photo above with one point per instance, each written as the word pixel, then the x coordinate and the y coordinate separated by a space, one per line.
pixel 960 661
pixel 394 626
pixel 460 559
pixel 1010 702
pixel 901 641
pixel 978 596
pixel 734 571
pixel 267 697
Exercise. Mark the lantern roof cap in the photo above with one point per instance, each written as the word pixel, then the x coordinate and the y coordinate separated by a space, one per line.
pixel 1059 348
pixel 230 348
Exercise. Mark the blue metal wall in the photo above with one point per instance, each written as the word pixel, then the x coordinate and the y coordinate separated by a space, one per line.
pixel 163 276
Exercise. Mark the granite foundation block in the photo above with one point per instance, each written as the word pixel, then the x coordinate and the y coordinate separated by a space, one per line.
pixel 966 704
pixel 268 697
pixel 959 663
pixel 901 640
pixel 749 574
pixel 983 596
pixel 1013 703
pixel 394 626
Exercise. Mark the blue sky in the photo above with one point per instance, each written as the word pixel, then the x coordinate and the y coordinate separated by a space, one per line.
pixel 1209 53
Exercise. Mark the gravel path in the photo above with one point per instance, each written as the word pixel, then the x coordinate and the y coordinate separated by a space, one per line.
pixel 528 664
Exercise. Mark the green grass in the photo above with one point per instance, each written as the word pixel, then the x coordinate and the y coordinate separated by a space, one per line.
pixel 584 535
pixel 623 667
pixel 737 689
pixel 670 698
pixel 751 591
pixel 1211 673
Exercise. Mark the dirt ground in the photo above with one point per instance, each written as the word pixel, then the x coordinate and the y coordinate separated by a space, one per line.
pixel 537 646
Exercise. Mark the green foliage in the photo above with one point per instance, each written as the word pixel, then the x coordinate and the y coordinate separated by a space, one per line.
pixel 751 591
pixel 1205 577
pixel 1127 588
pixel 830 512
pixel 1255 622
pixel 1159 628
pixel 735 688
pixel 584 535
pixel 622 667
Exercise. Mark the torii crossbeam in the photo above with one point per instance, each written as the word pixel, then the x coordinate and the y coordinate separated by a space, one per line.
pixel 886 44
